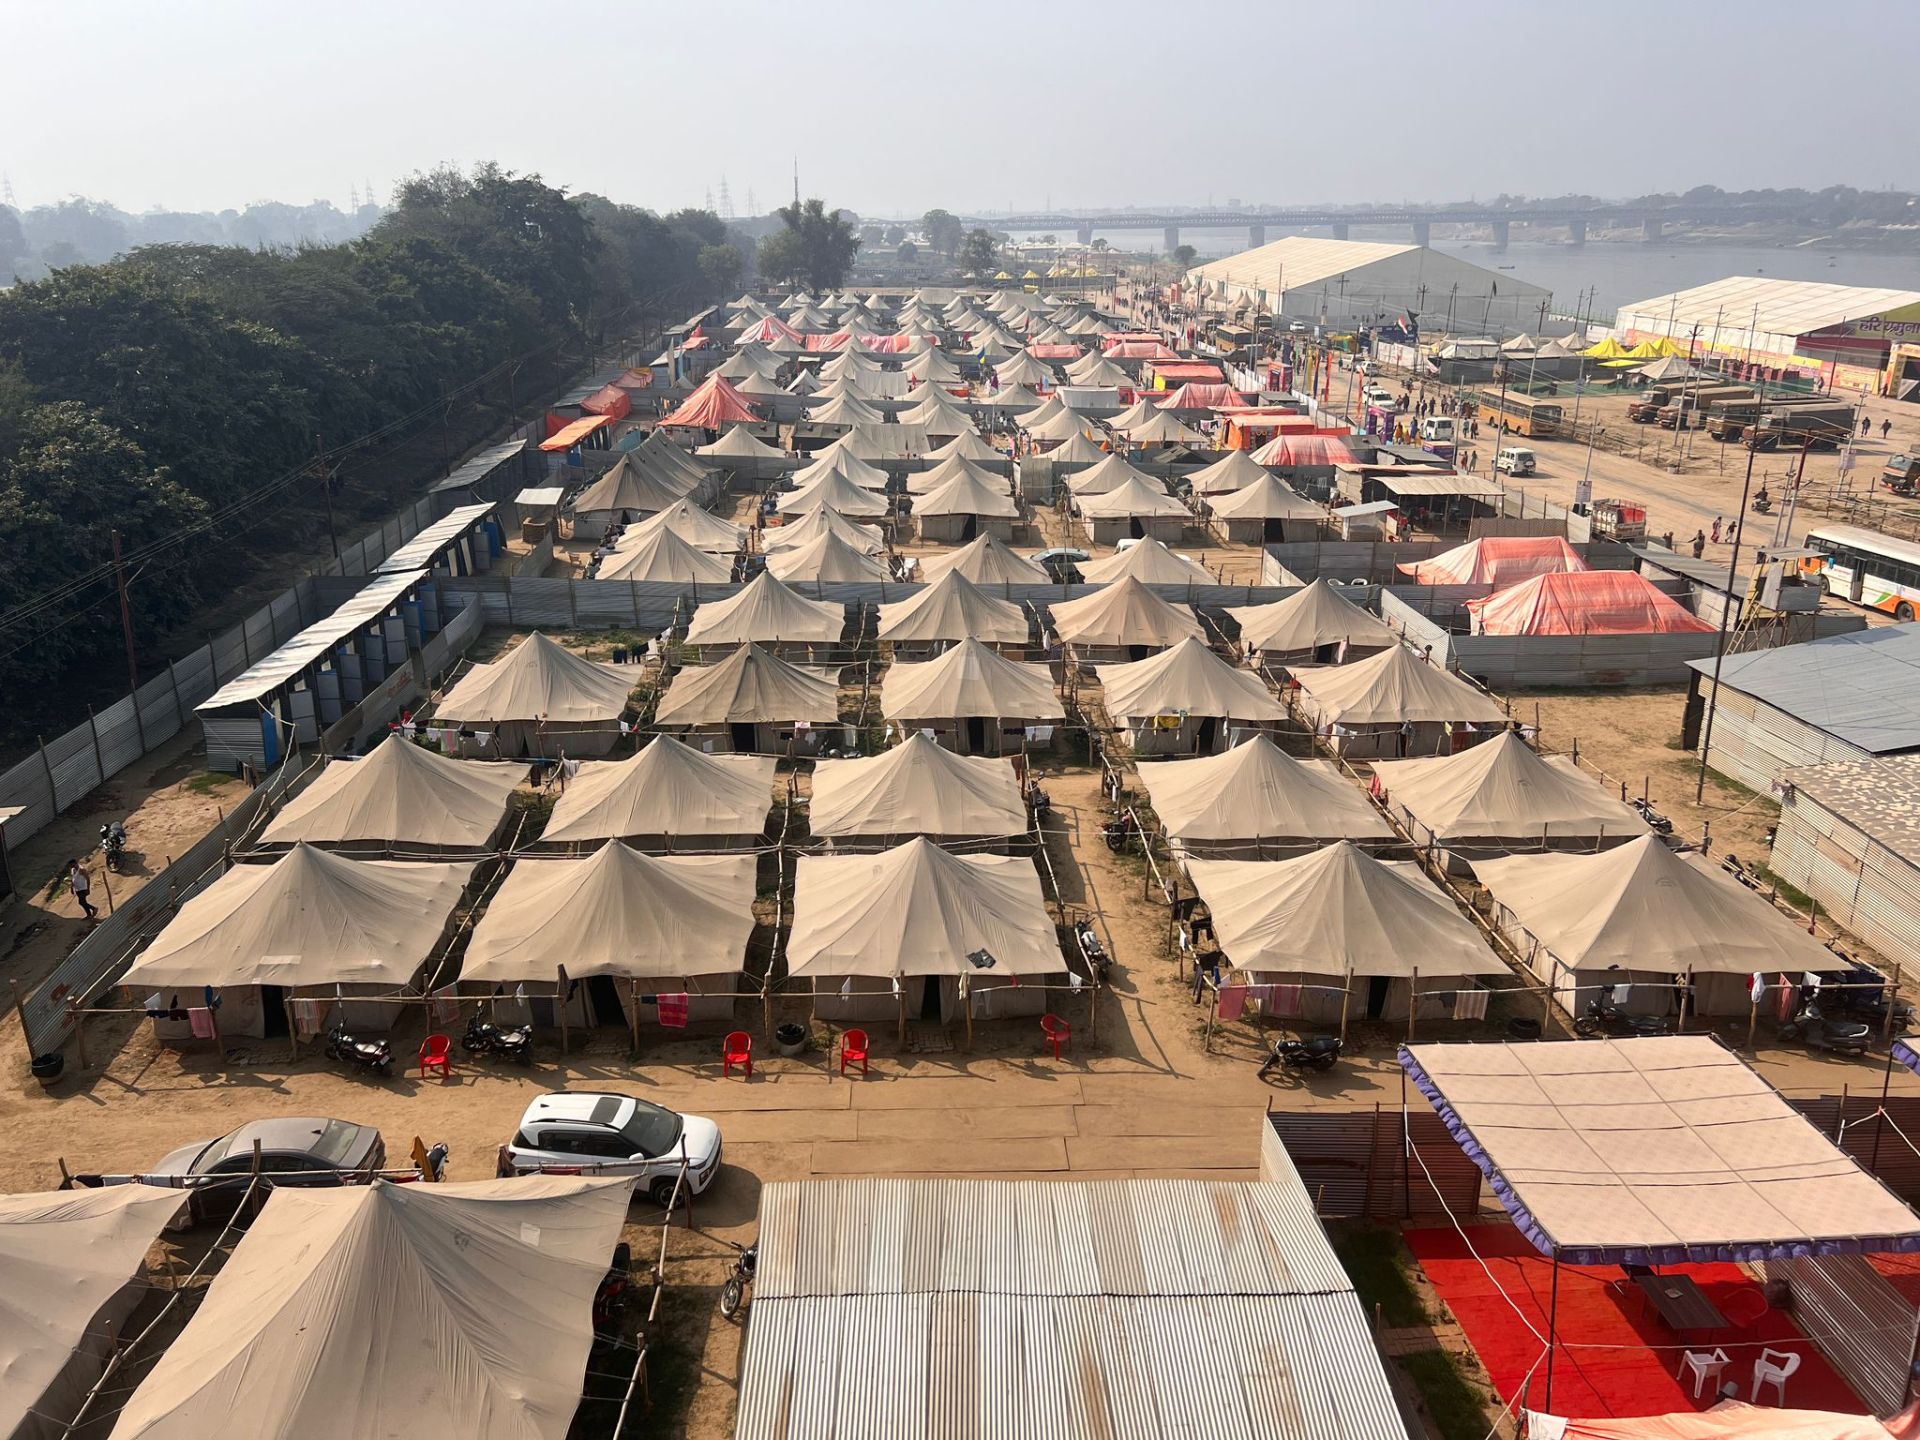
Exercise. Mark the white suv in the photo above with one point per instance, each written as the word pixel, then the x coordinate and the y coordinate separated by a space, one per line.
pixel 597 1133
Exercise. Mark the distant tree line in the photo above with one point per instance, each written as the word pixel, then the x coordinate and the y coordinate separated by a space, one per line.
pixel 173 394
pixel 79 231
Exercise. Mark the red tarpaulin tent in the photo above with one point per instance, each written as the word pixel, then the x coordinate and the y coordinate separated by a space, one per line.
pixel 1499 560
pixel 1195 396
pixel 1731 1420
pixel 609 400
pixel 1292 447
pixel 1175 371
pixel 1589 602
pixel 763 332
pixel 564 434
pixel 714 404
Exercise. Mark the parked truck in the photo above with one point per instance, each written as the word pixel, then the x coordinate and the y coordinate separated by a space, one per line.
pixel 1814 427
pixel 1688 410
pixel 1729 420
pixel 1621 520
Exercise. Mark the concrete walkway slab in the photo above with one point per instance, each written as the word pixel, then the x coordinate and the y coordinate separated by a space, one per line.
pixel 1015 1122
pixel 987 1158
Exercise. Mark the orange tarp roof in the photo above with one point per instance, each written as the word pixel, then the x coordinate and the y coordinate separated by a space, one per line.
pixel 609 400
pixel 714 404
pixel 1590 602
pixel 573 432
pixel 1298 447
pixel 1497 560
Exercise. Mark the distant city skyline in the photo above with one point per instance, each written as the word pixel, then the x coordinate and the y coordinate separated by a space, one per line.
pixel 212 104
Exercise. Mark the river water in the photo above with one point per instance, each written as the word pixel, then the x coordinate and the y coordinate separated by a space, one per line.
pixel 1617 273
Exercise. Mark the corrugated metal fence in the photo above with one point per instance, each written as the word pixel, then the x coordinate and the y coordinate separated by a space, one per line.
pixel 1355 1165
pixel 109 947
pixel 1861 1323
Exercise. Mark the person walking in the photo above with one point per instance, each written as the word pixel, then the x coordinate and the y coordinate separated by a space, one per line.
pixel 81 884
pixel 1733 532
pixel 1886 428
pixel 1699 543
pixel 1866 425
pixel 1715 535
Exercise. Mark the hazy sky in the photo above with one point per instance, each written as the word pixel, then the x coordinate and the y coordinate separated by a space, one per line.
pixel 976 106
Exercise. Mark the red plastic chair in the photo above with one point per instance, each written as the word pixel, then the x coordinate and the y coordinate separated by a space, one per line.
pixel 737 1049
pixel 1058 1032
pixel 436 1053
pixel 853 1046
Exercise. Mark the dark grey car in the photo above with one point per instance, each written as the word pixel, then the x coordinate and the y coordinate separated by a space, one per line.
pixel 294 1151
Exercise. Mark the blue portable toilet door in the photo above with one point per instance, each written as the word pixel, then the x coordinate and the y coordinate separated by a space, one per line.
pixel 269 736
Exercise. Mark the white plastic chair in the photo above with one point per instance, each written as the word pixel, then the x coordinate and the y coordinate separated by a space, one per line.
pixel 1706 1368
pixel 1772 1368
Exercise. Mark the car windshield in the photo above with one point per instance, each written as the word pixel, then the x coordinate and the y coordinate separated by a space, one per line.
pixel 653 1130
pixel 337 1142
pixel 215 1152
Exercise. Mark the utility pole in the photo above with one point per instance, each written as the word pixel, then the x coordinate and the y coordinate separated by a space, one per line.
pixel 1720 643
pixel 126 618
pixel 326 491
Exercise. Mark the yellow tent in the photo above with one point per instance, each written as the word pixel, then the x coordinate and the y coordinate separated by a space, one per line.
pixel 1646 350
pixel 1031 275
pixel 1607 349
pixel 1003 275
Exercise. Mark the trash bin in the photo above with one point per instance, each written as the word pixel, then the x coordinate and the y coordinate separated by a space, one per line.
pixel 789 1039
pixel 47 1068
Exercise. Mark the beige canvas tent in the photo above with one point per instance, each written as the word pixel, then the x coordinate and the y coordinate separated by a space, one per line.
pixel 843 412
pixel 951 609
pixel 402 797
pixel 1361 937
pixel 975 700
pixel 1316 621
pixel 1643 915
pixel 72 1270
pixel 925 482
pixel 873 932
pixel 701 529
pixel 1256 802
pixel 662 555
pixel 836 492
pixel 658 452
pixel 626 493
pixel 1110 473
pixel 839 460
pixel 623 925
pixel 1134 509
pixel 309 922
pixel 828 558
pixel 1123 621
pixel 389 1310
pixel 740 443
pixel 752 701
pixel 766 611
pixel 865 538
pixel 916 788
pixel 1186 700
pixel 1266 511
pixel 1397 704
pixel 970 445
pixel 1161 427
pixel 670 796
pixel 1503 796
pixel 987 560
pixel 939 414
pixel 1150 562
pixel 538 699
pixel 1233 471
pixel 965 508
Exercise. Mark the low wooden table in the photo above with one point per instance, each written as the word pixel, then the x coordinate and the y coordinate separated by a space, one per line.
pixel 1681 1303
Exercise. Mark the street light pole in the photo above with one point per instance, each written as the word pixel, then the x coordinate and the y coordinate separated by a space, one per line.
pixel 1720 641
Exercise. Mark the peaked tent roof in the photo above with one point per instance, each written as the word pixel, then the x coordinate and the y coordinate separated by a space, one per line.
pixel 844 410
pixel 917 788
pixel 401 793
pixel 1148 561
pixel 662 554
pixel 822 521
pixel 1134 496
pixel 539 679
pixel 1586 602
pixel 739 443
pixel 1162 428
pixel 1265 499
pixel 1313 616
pixel 1256 791
pixel 1094 370
pixel 970 444
pixel 1063 426
pixel 1077 449
pixel 713 405
pixel 658 451
pixel 925 482
pixel 700 528
pixel 65 1256
pixel 359 1309
pixel 1186 679
pixel 1394 687
pixel 834 492
pixel 1338 911
pixel 845 465
pixel 827 557
pixel 1110 473
pixel 953 608
pixel 940 414
pixel 1497 560
pixel 751 686
pixel 970 679
pixel 1504 789
pixel 628 485
pixel 309 918
pixel 985 560
pixel 668 788
pixel 616 912
pixel 918 910
pixel 1285 449
pixel 968 494
pixel 1123 613
pixel 765 609
pixel 1642 906
pixel 1233 471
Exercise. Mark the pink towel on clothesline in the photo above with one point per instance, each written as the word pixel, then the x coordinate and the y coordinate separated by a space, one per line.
pixel 201 1021
pixel 1233 1001
pixel 1282 1001
pixel 673 1011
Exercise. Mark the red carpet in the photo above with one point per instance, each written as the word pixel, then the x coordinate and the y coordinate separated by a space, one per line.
pixel 1900 1271
pixel 1635 1380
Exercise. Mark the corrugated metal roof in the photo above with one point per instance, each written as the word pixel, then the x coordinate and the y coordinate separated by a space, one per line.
pixel 1878 797
pixel 1299 262
pixel 1437 482
pixel 480 466
pixel 1784 307
pixel 424 547
pixel 313 642
pixel 971 1308
pixel 1863 688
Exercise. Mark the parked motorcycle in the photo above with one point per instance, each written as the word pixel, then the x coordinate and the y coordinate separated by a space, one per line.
pixel 612 1300
pixel 374 1055
pixel 1091 947
pixel 1656 822
pixel 1042 804
pixel 733 1293
pixel 1864 997
pixel 1317 1054
pixel 1837 1036
pixel 509 1042
pixel 1120 832
pixel 113 844
pixel 1601 1014
pixel 1763 504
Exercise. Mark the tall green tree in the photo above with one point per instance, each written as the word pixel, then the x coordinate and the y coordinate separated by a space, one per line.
pixel 816 246
pixel 945 234
pixel 721 265
pixel 980 252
